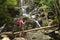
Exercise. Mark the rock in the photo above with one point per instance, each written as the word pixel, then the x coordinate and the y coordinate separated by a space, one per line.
pixel 19 38
pixel 56 32
pixel 5 37
pixel 37 36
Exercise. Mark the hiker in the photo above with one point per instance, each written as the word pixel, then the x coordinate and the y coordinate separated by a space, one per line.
pixel 20 23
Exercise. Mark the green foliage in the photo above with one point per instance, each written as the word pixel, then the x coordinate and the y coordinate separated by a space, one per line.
pixel 44 7
pixel 46 3
pixel 49 5
pixel 11 3
pixel 5 17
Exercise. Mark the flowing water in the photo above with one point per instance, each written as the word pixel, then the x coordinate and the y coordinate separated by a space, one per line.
pixel 1 28
pixel 24 13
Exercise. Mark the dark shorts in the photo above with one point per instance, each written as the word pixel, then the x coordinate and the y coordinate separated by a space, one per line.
pixel 19 28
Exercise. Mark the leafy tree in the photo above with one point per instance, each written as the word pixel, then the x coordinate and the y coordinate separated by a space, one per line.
pixel 11 3
pixel 5 17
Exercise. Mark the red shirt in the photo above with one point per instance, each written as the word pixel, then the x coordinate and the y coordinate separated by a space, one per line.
pixel 19 22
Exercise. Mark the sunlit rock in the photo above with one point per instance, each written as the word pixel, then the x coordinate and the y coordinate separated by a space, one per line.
pixel 5 37
pixel 19 38
pixel 56 32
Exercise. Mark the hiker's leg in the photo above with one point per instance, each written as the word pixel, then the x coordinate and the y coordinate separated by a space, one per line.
pixel 20 29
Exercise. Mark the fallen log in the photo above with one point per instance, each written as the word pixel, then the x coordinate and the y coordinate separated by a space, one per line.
pixel 36 29
pixel 28 30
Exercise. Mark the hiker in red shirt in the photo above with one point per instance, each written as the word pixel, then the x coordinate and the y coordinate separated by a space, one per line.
pixel 19 23
pixel 20 27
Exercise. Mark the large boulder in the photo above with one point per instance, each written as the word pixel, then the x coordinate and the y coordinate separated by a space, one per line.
pixel 37 36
